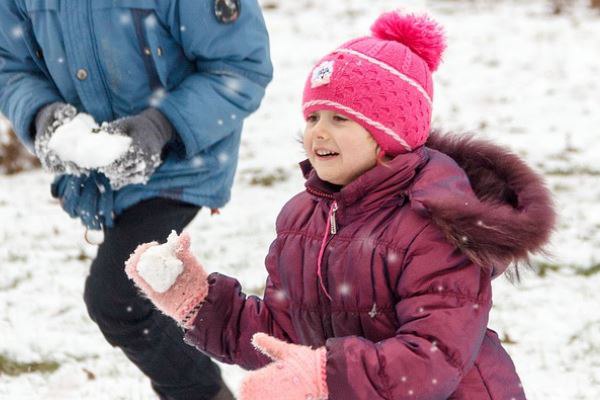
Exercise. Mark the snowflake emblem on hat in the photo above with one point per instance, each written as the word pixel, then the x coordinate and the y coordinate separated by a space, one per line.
pixel 322 74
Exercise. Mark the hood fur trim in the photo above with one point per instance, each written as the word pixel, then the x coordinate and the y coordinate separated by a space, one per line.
pixel 511 215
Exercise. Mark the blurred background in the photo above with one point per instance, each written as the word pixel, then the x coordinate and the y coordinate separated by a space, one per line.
pixel 525 74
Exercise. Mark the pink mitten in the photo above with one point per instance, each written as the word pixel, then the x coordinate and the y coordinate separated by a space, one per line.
pixel 170 276
pixel 297 373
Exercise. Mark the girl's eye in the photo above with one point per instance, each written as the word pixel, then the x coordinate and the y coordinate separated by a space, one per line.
pixel 311 118
pixel 340 118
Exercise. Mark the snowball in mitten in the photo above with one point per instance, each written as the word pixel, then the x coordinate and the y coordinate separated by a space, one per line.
pixel 170 276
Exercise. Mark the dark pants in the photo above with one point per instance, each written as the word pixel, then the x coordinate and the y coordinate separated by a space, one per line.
pixel 151 340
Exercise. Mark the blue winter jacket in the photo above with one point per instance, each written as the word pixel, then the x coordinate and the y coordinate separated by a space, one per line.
pixel 114 58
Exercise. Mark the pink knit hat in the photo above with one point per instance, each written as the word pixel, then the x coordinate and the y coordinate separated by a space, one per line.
pixel 383 81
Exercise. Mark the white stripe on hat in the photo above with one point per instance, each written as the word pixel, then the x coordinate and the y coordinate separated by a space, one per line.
pixel 390 69
pixel 360 116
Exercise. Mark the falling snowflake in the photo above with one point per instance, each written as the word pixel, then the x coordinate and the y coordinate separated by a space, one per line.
pixel 434 347
pixel 233 116
pixel 344 289
pixel 60 60
pixel 17 32
pixel 129 309
pixel 220 122
pixel 232 83
pixel 157 97
pixel 150 22
pixel 280 295
pixel 125 18
pixel 223 158
pixel 197 161
pixel 183 28
pixel 392 257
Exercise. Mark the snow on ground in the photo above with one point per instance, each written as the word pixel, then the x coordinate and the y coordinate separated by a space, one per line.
pixel 513 72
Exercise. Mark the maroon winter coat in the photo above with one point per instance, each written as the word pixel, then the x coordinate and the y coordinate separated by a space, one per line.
pixel 409 273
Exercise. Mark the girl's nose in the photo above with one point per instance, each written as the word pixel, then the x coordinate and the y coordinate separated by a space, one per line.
pixel 321 131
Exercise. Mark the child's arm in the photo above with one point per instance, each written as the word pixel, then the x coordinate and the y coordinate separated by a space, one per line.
pixel 443 312
pixel 233 67
pixel 25 86
pixel 220 318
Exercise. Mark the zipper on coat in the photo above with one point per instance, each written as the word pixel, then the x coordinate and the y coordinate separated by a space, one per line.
pixel 329 229
pixel 333 221
pixel 326 304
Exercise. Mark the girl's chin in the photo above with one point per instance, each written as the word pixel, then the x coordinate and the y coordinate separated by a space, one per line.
pixel 331 178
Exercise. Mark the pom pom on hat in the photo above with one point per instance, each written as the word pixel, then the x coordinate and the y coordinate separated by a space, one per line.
pixel 424 36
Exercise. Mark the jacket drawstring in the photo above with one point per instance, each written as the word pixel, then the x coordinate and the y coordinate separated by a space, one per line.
pixel 331 227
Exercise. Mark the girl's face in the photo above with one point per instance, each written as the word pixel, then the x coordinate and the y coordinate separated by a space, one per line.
pixel 338 148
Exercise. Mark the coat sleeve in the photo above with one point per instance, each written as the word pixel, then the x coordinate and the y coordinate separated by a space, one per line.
pixel 25 86
pixel 228 318
pixel 233 68
pixel 442 312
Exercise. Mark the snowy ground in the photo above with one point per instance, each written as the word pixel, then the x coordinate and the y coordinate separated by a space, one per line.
pixel 513 72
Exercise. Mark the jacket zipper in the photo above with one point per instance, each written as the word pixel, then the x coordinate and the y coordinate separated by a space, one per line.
pixel 333 222
pixel 322 275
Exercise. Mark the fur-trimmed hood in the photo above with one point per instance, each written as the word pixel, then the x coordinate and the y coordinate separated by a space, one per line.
pixel 511 213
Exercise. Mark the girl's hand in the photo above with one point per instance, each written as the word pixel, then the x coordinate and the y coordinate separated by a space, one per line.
pixel 297 373
pixel 170 276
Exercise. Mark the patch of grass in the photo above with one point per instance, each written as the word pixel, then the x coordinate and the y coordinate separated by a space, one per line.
pixel 14 368
pixel 586 171
pixel 81 256
pixel 543 268
pixel 16 257
pixel 267 178
pixel 506 339
pixel 594 269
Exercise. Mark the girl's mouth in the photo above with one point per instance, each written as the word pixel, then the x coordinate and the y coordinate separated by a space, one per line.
pixel 323 154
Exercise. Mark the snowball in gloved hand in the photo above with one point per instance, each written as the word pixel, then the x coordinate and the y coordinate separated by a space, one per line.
pixel 82 142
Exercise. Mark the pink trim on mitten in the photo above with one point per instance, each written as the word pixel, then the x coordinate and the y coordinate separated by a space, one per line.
pixel 189 289
pixel 297 373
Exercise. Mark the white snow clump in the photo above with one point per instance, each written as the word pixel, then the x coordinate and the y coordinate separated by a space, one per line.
pixel 159 266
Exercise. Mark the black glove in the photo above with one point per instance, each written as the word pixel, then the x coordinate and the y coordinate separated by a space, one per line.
pixel 150 131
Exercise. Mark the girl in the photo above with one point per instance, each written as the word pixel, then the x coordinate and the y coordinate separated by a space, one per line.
pixel 379 281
